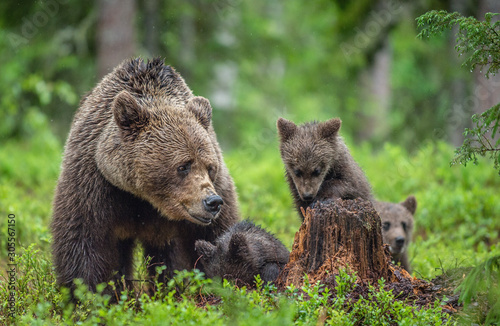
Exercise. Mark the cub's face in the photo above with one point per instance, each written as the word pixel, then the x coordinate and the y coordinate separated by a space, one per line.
pixel 164 156
pixel 307 171
pixel 397 223
pixel 230 257
pixel 308 153
pixel 212 258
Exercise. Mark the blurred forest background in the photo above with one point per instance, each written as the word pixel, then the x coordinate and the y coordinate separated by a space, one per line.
pixel 255 61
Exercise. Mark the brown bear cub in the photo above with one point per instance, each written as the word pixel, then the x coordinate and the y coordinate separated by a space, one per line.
pixel 242 252
pixel 397 227
pixel 318 164
pixel 141 163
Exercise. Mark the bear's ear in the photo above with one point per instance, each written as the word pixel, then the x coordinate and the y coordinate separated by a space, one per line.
pixel 238 247
pixel 129 115
pixel 329 128
pixel 205 248
pixel 201 109
pixel 286 129
pixel 410 204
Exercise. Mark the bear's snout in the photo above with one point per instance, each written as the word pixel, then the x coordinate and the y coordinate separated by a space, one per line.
pixel 213 204
pixel 400 241
pixel 307 196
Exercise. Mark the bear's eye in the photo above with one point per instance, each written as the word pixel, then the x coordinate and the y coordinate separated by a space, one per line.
pixel 297 172
pixel 211 172
pixel 184 168
pixel 403 224
pixel 316 172
pixel 386 226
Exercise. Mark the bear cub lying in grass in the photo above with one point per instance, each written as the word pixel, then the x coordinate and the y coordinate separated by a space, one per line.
pixel 318 164
pixel 242 252
pixel 397 227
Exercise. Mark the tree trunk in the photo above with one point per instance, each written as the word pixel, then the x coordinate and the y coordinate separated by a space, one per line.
pixel 376 80
pixel 461 109
pixel 115 33
pixel 187 37
pixel 152 27
pixel 486 90
pixel 347 233
pixel 333 235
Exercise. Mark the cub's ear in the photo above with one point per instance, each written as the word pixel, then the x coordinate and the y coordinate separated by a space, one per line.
pixel 201 109
pixel 238 247
pixel 329 128
pixel 410 204
pixel 205 248
pixel 286 129
pixel 129 115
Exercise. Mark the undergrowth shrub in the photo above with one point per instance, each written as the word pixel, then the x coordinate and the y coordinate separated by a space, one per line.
pixel 456 226
pixel 181 301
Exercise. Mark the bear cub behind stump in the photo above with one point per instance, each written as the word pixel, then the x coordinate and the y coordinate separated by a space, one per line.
pixel 242 252
pixel 318 164
pixel 397 227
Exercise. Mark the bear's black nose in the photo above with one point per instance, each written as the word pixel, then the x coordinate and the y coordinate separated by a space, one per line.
pixel 400 241
pixel 307 196
pixel 212 204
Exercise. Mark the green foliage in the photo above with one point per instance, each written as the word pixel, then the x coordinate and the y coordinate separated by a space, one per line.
pixel 40 302
pixel 34 287
pixel 314 304
pixel 477 140
pixel 29 171
pixel 241 306
pixel 253 55
pixel 32 87
pixel 456 218
pixel 43 304
pixel 346 281
pixel 420 102
pixel 264 195
pixel 381 308
pixel 480 40
pixel 480 293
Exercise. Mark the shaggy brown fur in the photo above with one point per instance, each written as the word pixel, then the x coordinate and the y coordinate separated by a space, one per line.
pixel 242 252
pixel 141 163
pixel 318 164
pixel 397 227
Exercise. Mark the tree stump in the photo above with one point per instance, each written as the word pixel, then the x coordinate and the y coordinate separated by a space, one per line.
pixel 334 234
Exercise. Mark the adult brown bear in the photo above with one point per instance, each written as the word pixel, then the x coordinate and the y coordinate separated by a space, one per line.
pixel 142 163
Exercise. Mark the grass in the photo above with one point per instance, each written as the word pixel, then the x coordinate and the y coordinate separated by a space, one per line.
pixel 457 225
pixel 183 301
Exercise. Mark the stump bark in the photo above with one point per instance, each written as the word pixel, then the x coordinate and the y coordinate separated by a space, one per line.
pixel 334 234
